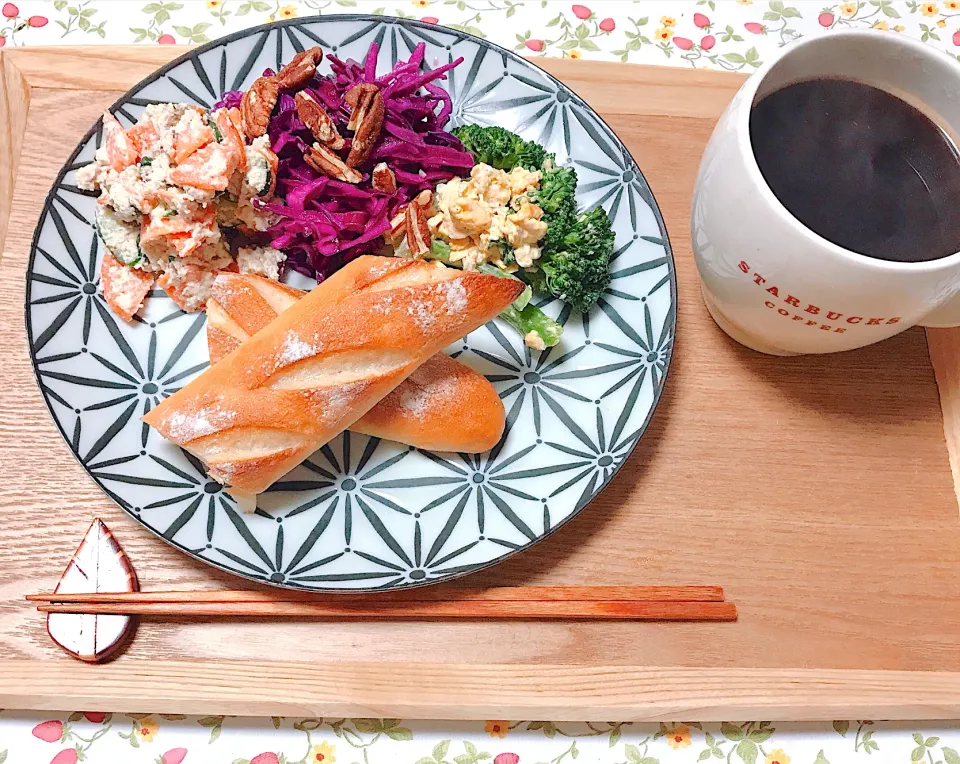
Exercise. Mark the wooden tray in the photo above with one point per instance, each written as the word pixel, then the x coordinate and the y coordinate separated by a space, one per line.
pixel 817 490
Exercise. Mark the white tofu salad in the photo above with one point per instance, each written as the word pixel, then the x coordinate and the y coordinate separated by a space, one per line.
pixel 170 188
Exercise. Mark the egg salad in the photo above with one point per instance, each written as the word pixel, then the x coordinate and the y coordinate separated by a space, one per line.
pixel 492 208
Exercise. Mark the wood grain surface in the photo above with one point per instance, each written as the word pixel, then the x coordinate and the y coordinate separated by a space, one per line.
pixel 816 490
pixel 570 693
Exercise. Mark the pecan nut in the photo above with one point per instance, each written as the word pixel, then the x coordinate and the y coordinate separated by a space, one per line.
pixel 384 179
pixel 257 106
pixel 418 231
pixel 398 225
pixel 366 121
pixel 354 97
pixel 425 200
pixel 301 68
pixel 324 161
pixel 318 121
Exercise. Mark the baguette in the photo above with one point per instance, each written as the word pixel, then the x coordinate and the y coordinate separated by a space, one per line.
pixel 442 406
pixel 324 363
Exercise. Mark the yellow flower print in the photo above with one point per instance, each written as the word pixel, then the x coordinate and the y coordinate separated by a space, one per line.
pixel 323 753
pixel 668 21
pixel 214 4
pixel 287 12
pixel 420 3
pixel 951 5
pixel 663 34
pixel 497 728
pixel 941 23
pixel 677 737
pixel 576 54
pixel 744 2
pixel 899 28
pixel 929 9
pixel 777 757
pixel 147 729
pixel 881 25
pixel 848 9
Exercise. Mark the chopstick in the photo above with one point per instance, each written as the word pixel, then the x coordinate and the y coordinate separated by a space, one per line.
pixel 645 603
pixel 518 610
pixel 494 594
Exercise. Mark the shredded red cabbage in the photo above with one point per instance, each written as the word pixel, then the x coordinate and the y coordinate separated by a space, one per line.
pixel 324 223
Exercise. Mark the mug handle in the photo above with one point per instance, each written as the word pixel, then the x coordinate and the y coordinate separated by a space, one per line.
pixel 945 316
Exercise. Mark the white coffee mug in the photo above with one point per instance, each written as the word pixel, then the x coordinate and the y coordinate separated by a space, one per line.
pixel 770 282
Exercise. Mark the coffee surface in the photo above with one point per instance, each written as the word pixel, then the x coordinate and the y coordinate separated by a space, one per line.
pixel 860 167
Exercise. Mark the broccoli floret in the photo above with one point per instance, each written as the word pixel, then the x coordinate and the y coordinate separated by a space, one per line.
pixel 577 270
pixel 495 146
pixel 558 191
pixel 557 198
pixel 533 156
pixel 498 147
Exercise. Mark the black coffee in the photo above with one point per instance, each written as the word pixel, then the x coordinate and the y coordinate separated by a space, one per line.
pixel 861 168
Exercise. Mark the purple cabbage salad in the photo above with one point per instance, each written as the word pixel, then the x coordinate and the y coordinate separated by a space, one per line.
pixel 324 223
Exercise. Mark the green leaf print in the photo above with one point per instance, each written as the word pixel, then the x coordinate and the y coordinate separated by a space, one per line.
pixel 821 759
pixel 731 731
pixel 747 751
pixel 841 727
pixel 760 736
pixel 400 733
pixel 440 750
pixel 633 753
pixel 368 726
pixel 950 756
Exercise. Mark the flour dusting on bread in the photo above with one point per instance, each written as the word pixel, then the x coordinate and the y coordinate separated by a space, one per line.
pixel 295 349
pixel 183 427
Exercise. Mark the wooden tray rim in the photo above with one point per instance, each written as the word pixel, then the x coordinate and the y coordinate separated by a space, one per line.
pixel 468 692
pixel 559 692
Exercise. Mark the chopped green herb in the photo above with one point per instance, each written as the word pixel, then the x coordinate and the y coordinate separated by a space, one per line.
pixel 146 161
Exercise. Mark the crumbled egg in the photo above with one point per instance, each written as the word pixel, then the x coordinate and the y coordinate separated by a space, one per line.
pixel 491 206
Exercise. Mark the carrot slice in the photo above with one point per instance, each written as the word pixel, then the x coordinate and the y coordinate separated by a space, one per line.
pixel 143 139
pixel 231 138
pixel 189 135
pixel 124 288
pixel 208 168
pixel 120 151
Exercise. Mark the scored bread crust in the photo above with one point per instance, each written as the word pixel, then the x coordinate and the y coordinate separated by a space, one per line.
pixel 442 406
pixel 324 363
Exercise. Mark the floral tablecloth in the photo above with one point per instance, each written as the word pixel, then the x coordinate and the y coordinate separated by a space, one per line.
pixel 156 739
pixel 719 34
